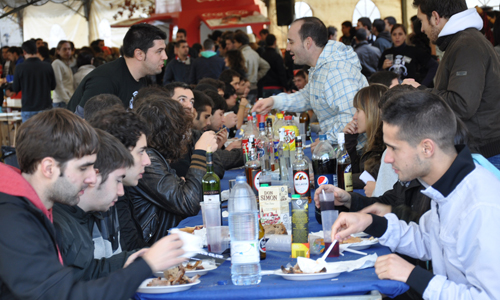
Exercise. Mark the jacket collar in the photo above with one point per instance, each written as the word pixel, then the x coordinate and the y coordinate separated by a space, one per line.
pixel 384 35
pixel 458 22
pixel 462 166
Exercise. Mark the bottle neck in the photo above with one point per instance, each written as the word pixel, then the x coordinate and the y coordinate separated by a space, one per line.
pixel 210 164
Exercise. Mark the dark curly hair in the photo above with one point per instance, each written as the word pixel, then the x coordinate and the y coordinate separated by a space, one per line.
pixel 126 126
pixel 236 60
pixel 169 125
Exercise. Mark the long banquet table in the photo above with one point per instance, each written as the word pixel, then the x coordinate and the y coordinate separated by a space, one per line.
pixel 217 284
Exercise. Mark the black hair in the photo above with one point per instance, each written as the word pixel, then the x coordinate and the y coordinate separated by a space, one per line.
pixel 215 35
pixel 29 47
pixel 205 87
pixel 178 43
pixel 270 40
pixel 366 22
pixel 227 76
pixel 146 92
pixel 112 155
pixel 182 30
pixel 15 50
pixel 241 38
pixel 347 24
pixel 445 9
pixel 126 126
pixel 394 91
pixel 201 100
pixel 141 36
pixel 208 44
pixel 100 102
pixel 263 31
pixel 420 115
pixel 218 100
pixel 170 87
pixel 84 58
pixel 229 90
pixel 44 52
pixel 379 24
pixel 383 77
pixel 390 20
pixel 361 35
pixel 218 84
pixel 315 29
pixel 332 30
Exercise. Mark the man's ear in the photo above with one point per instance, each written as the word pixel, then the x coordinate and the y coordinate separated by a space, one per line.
pixel 49 167
pixel 308 42
pixel 428 147
pixel 436 17
pixel 139 54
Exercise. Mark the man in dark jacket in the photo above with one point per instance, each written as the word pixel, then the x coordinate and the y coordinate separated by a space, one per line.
pixel 383 40
pixel 209 64
pixel 367 54
pixel 274 81
pixel 35 79
pixel 178 69
pixel 56 151
pixel 469 86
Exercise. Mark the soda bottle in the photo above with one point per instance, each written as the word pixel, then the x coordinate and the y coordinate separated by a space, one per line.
pixel 284 156
pixel 263 148
pixel 324 163
pixel 301 173
pixel 253 168
pixel 244 232
pixel 291 133
pixel 344 171
pixel 270 145
pixel 304 128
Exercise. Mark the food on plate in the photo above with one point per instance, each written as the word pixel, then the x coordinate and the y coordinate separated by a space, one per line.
pixel 191 229
pixel 173 276
pixel 351 240
pixel 194 266
pixel 296 270
pixel 275 229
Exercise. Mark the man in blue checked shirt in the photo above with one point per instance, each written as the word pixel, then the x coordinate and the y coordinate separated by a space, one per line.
pixel 334 78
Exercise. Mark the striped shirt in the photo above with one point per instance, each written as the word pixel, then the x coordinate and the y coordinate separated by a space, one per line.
pixel 333 82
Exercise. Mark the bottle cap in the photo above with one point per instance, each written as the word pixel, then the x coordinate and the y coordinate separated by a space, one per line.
pixel 341 137
pixel 241 179
pixel 295 196
pixel 262 126
pixel 279 115
pixel 250 118
pixel 264 184
pixel 288 118
pixel 322 137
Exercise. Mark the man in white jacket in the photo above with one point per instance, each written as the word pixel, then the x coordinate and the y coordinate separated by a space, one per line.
pixel 64 75
pixel 459 234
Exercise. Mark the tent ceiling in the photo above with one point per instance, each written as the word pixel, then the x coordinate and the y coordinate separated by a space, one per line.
pixel 13 6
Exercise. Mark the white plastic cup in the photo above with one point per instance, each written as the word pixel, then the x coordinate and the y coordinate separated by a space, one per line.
pixel 279 242
pixel 328 214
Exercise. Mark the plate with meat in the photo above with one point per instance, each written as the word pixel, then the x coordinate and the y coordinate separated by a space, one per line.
pixel 192 268
pixel 357 243
pixel 295 273
pixel 175 280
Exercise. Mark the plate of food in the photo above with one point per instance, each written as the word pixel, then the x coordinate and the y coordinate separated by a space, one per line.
pixel 200 267
pixel 357 243
pixel 175 280
pixel 296 273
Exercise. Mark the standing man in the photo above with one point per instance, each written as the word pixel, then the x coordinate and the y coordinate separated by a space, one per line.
pixel 383 40
pixel 178 69
pixel 389 22
pixel 469 86
pixel 368 55
pixel 275 80
pixel 334 78
pixel 64 75
pixel 143 55
pixel 366 24
pixel 456 234
pixel 209 64
pixel 35 79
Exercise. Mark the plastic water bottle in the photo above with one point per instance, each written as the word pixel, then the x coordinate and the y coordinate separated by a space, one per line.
pixel 244 231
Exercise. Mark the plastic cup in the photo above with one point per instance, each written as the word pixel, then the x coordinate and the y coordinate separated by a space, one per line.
pixel 211 214
pixel 328 216
pixel 279 242
pixel 232 182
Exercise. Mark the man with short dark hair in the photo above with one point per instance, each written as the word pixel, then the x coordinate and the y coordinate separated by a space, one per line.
pixel 348 33
pixel 180 91
pixel 203 111
pixel 35 79
pixel 383 40
pixel 209 64
pixel 56 151
pixel 389 22
pixel 178 69
pixel 366 24
pixel 368 55
pixel 274 82
pixel 144 53
pixel 332 33
pixel 334 79
pixel 468 76
pixel 387 78
pixel 419 131
pixel 98 103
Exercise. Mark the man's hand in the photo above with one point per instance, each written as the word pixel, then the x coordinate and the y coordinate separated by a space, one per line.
pixel 313 145
pixel 341 197
pixel 134 256
pixel 369 188
pixel 393 267
pixel 378 209
pixel 234 145
pixel 221 138
pixel 207 139
pixel 263 106
pixel 351 127
pixel 230 119
pixel 349 223
pixel 412 82
pixel 165 253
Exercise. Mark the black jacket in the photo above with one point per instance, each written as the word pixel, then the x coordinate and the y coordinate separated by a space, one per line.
pixel 162 199
pixel 177 70
pixel 276 76
pixel 369 161
pixel 29 264
pixel 74 236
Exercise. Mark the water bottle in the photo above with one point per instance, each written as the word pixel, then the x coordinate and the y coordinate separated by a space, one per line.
pixel 244 232
pixel 324 163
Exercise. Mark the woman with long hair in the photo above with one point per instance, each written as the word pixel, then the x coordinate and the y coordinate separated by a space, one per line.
pixel 367 119
pixel 162 199
pixel 235 61
pixel 408 61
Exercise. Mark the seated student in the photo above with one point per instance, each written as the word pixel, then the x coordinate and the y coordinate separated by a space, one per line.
pixel 202 111
pixel 456 234
pixel 162 199
pixel 219 85
pixel 387 78
pixel 56 151
pixel 76 226
pixel 366 120
pixel 98 103
pixel 180 92
pixel 131 131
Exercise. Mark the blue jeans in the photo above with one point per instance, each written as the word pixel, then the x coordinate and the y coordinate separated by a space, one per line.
pixel 495 160
pixel 25 115
pixel 59 104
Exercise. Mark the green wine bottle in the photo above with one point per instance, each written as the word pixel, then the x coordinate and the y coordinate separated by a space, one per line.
pixel 210 182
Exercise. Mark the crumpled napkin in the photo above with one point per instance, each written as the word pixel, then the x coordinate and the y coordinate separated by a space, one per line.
pixel 192 244
pixel 351 265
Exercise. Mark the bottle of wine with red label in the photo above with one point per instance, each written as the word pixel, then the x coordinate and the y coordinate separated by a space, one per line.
pixel 344 169
pixel 253 168
pixel 301 173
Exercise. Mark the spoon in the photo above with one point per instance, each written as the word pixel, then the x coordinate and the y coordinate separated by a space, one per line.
pixel 325 255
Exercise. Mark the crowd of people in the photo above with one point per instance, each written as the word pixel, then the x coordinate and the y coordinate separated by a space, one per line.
pixel 113 158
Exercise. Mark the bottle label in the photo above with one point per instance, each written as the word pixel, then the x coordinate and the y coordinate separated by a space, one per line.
pixel 301 182
pixel 244 146
pixel 262 244
pixel 256 180
pixel 260 152
pixel 348 179
pixel 290 134
pixel 276 143
pixel 245 252
pixel 323 179
pixel 211 197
